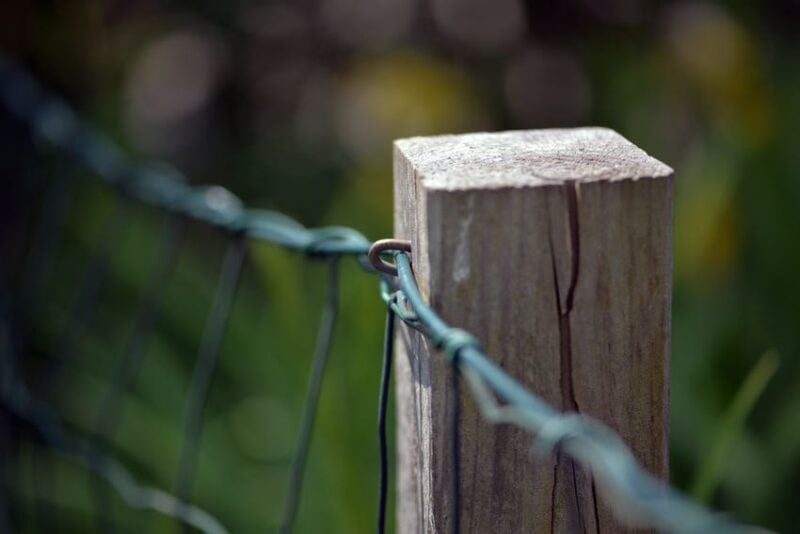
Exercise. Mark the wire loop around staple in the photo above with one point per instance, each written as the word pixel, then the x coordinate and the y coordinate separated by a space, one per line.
pixel 386 245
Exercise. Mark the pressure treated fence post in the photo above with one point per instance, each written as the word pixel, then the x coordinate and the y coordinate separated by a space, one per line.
pixel 553 247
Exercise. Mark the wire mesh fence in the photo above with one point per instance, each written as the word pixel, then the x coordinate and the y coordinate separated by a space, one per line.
pixel 637 498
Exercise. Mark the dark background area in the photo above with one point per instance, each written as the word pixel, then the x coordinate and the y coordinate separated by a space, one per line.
pixel 293 106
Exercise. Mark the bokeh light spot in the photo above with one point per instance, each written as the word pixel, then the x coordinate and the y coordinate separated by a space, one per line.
pixel 545 88
pixel 485 25
pixel 172 80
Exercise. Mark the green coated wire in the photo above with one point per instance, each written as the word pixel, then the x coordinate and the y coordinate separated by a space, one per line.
pixel 207 356
pixel 321 352
pixel 54 123
pixel 637 498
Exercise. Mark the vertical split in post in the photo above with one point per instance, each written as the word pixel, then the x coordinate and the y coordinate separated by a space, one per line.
pixel 554 248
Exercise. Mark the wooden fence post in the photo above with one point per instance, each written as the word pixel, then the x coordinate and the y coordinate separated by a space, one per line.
pixel 554 248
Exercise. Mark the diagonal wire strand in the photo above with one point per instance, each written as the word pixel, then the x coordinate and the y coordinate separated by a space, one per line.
pixel 55 124
pixel 637 498
pixel 206 363
pixel 321 352
pixel 144 323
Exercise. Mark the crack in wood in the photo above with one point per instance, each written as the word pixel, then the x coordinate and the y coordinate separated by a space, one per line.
pixel 569 401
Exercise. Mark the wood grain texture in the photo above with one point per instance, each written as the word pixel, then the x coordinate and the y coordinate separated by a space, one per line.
pixel 553 247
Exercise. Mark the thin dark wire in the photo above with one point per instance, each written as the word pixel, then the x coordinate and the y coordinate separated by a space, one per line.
pixel 93 279
pixel 205 364
pixel 9 467
pixel 321 352
pixel 383 403
pixel 46 241
pixel 455 449
pixel 42 468
pixel 127 368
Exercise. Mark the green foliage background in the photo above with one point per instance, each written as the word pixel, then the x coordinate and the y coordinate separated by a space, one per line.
pixel 301 120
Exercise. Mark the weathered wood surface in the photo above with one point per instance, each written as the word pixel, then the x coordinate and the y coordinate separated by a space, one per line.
pixel 554 248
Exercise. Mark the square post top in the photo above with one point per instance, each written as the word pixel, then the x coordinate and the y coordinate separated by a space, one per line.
pixel 527 158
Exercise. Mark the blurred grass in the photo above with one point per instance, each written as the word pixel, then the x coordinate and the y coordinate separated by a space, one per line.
pixel 731 428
